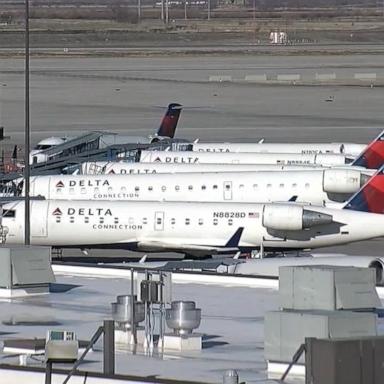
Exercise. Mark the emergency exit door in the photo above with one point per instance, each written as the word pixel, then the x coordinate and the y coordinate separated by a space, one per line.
pixel 39 220
pixel 227 190
pixel 159 221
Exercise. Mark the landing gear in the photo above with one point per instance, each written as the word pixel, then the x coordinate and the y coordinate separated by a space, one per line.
pixel 57 253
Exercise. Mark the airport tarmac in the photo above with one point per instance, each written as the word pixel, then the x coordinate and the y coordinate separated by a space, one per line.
pixel 128 95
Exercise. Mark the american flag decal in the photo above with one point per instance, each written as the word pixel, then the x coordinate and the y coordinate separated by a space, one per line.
pixel 253 215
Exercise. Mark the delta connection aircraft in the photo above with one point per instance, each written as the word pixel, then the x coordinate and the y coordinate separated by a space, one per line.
pixel 370 157
pixel 50 147
pixel 313 187
pixel 349 149
pixel 129 168
pixel 198 229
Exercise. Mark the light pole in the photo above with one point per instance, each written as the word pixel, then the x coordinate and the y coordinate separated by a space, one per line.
pixel 138 11
pixel 27 219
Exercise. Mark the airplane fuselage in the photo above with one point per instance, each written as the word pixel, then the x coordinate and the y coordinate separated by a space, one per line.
pixel 185 227
pixel 190 157
pixel 315 187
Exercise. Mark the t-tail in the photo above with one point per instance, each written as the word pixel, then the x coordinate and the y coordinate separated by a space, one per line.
pixel 370 198
pixel 373 155
pixel 169 123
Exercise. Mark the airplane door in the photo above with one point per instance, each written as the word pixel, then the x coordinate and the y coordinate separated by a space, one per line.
pixel 159 221
pixel 39 220
pixel 227 190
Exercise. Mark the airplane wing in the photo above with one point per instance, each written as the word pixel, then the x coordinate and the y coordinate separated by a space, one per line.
pixel 232 246
pixel 192 249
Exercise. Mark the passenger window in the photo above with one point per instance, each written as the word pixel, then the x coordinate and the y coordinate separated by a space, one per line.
pixel 110 189
pixel 227 187
pixel 116 220
pixel 177 188
pixel 101 220
pixel 163 188
pixel 9 213
pixel 307 185
pixel 58 219
pixel 145 220
pixel 241 186
pixel 187 221
pixel 203 187
pixel 294 185
pixel 150 188
pixel 123 189
pixel 137 189
pixel 269 185
pixel 215 221
pixel 215 186
pixel 86 220
pixel 173 221
pixel 71 219
pixel 190 187
pixel 158 220
pixel 255 186
pixel 201 221
pixel 230 222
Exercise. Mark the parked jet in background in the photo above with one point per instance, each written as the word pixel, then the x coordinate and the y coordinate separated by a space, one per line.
pixel 348 149
pixel 129 168
pixel 166 130
pixel 197 229
pixel 371 157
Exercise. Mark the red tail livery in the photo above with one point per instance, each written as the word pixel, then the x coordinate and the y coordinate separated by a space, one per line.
pixel 373 156
pixel 370 198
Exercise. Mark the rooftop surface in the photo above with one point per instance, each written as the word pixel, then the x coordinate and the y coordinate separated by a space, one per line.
pixel 232 325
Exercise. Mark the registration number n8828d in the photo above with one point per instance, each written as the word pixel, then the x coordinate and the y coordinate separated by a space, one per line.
pixel 229 215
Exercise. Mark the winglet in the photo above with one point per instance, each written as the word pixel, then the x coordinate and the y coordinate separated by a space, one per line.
pixel 373 155
pixel 169 123
pixel 233 242
pixel 370 198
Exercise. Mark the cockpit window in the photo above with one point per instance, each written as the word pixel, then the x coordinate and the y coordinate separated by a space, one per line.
pixel 9 213
pixel 41 147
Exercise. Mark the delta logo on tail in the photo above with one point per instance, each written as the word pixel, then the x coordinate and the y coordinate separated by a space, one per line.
pixel 60 184
pixel 168 124
pixel 373 155
pixel 370 198
pixel 57 212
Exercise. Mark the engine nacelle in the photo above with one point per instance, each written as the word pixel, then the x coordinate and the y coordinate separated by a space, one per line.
pixel 343 180
pixel 292 217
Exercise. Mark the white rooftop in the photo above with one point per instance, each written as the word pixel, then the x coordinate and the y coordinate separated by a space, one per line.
pixel 232 324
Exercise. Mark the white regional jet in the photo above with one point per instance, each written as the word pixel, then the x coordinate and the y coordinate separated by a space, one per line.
pixel 198 229
pixel 371 157
pixel 313 187
pixel 129 168
pixel 349 149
